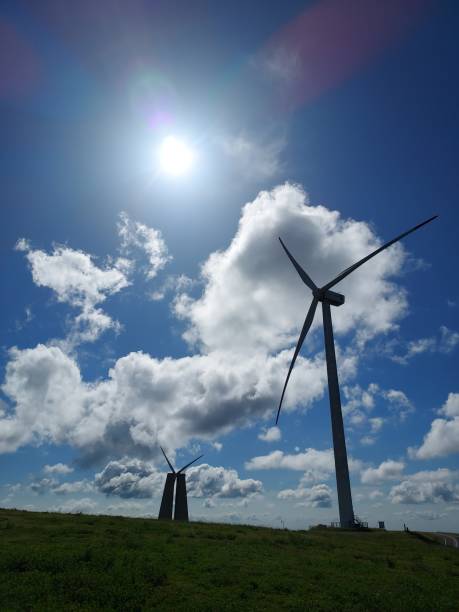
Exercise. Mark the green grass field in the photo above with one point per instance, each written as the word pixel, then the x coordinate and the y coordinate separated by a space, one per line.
pixel 77 562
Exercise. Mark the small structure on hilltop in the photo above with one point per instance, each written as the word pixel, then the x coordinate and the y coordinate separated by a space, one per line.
pixel 330 298
pixel 167 501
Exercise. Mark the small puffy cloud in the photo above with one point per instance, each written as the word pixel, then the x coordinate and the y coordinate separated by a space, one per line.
pixel 317 496
pixel 441 440
pixel 69 488
pixel 57 468
pixel 316 464
pixel 387 470
pixel 217 446
pixel 367 440
pixel 451 407
pixel 172 284
pixel 43 486
pixel 376 423
pixel 272 434
pixel 421 492
pixel 444 342
pixel 208 481
pixel 443 437
pixel 41 381
pixel 51 485
pixel 361 401
pixel 139 236
pixel 376 494
pixel 438 475
pixel 76 280
pixel 129 478
pixel 448 340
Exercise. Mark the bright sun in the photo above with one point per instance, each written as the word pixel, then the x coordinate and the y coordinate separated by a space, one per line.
pixel 175 157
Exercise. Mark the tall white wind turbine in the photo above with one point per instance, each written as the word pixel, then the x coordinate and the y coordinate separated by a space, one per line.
pixel 330 298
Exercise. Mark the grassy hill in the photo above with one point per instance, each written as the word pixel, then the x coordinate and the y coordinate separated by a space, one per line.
pixel 77 562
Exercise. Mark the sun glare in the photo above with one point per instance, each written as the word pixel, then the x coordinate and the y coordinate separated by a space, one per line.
pixel 175 156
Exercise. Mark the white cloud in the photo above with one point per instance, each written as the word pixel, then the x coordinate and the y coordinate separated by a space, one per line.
pixel 43 486
pixel 217 445
pixel 317 496
pixel 139 236
pixel 270 434
pixel 438 475
pixel 244 324
pixel 414 492
pixel 376 423
pixel 448 340
pixel 208 481
pixel 387 470
pixel 129 478
pixel 443 437
pixel 76 280
pixel 319 463
pixel 253 298
pixel 132 478
pixel 402 353
pixel 172 284
pixel 451 407
pixel 316 464
pixel 51 485
pixel 441 440
pixel 362 401
pixel 77 486
pixel 45 385
pixel 57 468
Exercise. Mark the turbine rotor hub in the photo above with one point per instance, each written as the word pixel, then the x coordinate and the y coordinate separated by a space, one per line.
pixel 331 297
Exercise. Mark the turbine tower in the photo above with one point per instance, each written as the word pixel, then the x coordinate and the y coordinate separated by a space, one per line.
pixel 330 298
pixel 167 501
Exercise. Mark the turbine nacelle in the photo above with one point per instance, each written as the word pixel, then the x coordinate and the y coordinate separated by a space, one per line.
pixel 331 297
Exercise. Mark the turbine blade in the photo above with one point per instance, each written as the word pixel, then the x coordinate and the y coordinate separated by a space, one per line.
pixel 347 271
pixel 188 464
pixel 307 324
pixel 307 280
pixel 165 457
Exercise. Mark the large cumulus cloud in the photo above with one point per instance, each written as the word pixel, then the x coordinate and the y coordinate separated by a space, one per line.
pixel 243 327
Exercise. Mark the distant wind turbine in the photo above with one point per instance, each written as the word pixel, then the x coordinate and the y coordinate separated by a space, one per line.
pixel 167 501
pixel 327 297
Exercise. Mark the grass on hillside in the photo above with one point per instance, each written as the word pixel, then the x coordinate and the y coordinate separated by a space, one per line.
pixel 78 562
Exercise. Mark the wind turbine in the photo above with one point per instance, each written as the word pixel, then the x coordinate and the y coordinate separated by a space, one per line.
pixel 167 501
pixel 327 297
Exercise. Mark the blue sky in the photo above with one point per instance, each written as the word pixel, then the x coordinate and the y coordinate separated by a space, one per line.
pixel 142 308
